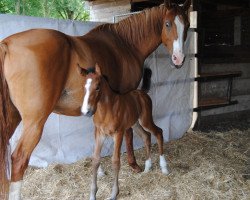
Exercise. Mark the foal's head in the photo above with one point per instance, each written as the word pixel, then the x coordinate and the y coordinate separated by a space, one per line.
pixel 174 32
pixel 92 86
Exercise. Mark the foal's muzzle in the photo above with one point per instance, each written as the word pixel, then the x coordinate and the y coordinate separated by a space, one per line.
pixel 89 113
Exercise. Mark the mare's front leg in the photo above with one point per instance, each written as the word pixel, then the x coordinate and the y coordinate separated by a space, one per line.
pixel 130 151
pixel 99 139
pixel 118 136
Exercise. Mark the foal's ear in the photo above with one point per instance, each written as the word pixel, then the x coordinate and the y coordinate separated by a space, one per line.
pixel 98 69
pixel 186 5
pixel 81 71
pixel 167 3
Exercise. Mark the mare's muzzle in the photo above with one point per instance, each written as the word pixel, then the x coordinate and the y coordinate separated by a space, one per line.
pixel 177 66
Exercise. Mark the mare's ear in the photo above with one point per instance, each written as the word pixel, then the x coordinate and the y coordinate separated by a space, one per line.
pixel 81 71
pixel 167 3
pixel 186 5
pixel 98 69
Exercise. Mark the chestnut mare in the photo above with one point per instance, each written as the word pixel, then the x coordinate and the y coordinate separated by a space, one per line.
pixel 113 114
pixel 38 75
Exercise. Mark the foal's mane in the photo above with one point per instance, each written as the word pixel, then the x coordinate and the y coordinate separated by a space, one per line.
pixel 137 27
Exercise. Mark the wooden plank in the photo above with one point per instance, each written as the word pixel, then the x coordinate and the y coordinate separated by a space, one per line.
pixel 107 2
pixel 108 5
pixel 243 105
pixel 212 101
pixel 226 54
pixel 213 15
pixel 206 104
pixel 224 67
pixel 243 3
pixel 193 19
pixel 217 75
pixel 219 88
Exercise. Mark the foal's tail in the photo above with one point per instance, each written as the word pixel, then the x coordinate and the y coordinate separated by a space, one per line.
pixel 146 79
pixel 5 124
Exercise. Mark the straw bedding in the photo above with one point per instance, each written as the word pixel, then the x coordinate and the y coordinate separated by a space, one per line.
pixel 204 165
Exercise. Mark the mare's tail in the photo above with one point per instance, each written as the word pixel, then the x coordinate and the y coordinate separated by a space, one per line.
pixel 5 124
pixel 146 79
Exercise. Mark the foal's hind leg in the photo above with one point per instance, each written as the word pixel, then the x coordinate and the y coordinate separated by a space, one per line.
pixel 147 142
pixel 146 121
pixel 130 151
pixel 149 125
pixel 157 132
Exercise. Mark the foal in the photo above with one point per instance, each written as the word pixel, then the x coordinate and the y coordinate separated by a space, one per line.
pixel 113 115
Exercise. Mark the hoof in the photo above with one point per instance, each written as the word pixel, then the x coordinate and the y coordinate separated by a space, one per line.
pixel 148 165
pixel 165 171
pixel 100 172
pixel 146 171
pixel 135 168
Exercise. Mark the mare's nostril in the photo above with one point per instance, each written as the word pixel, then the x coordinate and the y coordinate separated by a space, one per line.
pixel 174 57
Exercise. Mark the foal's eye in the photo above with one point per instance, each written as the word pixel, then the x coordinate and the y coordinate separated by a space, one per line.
pixel 168 24
pixel 97 88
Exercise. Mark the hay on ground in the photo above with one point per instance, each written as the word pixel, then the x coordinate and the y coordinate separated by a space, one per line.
pixel 212 165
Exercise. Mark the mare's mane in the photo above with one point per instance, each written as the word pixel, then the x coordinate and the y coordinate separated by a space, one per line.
pixel 136 27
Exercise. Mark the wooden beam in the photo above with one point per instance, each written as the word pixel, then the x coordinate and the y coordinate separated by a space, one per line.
pixel 241 3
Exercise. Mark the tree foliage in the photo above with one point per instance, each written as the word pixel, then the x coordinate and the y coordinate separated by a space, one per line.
pixel 64 9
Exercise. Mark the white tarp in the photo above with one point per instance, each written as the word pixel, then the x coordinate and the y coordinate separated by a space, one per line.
pixel 68 139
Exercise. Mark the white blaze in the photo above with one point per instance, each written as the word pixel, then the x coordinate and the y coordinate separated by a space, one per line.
pixel 85 105
pixel 178 44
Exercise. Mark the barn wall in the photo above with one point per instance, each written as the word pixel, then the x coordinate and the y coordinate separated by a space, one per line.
pixel 240 90
pixel 104 10
pixel 224 46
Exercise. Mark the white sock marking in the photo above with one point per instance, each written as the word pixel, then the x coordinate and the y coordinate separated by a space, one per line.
pixel 85 105
pixel 9 164
pixel 148 165
pixel 100 172
pixel 15 190
pixel 163 165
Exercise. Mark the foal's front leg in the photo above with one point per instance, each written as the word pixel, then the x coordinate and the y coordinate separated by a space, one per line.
pixel 116 163
pixel 99 139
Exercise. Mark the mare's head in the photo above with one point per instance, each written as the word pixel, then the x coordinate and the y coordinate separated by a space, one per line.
pixel 92 83
pixel 174 32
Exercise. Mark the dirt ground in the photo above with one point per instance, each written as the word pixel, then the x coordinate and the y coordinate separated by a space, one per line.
pixel 210 164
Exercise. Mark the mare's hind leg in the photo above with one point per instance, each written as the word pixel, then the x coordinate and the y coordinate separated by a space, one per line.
pixel 130 151
pixel 15 120
pixel 32 131
pixel 147 142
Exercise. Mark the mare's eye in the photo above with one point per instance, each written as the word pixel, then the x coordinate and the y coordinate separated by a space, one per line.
pixel 168 24
pixel 97 88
